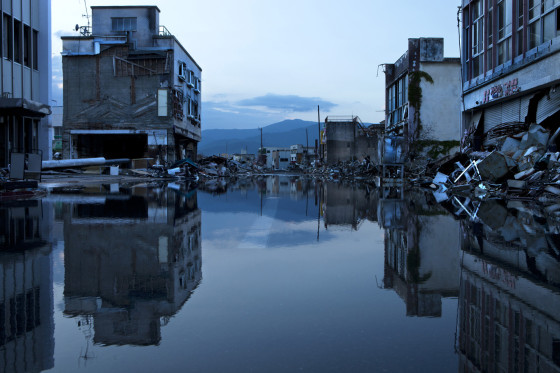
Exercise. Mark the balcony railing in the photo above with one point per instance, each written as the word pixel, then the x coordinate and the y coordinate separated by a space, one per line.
pixel 163 31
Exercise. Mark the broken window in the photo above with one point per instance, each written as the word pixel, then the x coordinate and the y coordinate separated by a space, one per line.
pixel 182 74
pixel 178 99
pixel 124 24
pixel 191 79
pixel 7 46
pixel 397 100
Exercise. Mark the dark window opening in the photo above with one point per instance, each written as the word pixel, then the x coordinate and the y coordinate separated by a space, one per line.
pixel 112 146
pixel 17 41
pixel 7 46
pixel 35 49
pixel 27 46
pixel 556 351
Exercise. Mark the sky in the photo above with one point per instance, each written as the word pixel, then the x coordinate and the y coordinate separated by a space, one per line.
pixel 264 61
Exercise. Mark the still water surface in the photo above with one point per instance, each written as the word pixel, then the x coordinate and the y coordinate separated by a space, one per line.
pixel 271 275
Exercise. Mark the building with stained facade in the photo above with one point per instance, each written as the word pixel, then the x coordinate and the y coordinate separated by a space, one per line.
pixel 510 62
pixel 25 78
pixel 131 90
pixel 423 94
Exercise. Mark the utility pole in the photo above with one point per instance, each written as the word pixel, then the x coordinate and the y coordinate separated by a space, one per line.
pixel 318 131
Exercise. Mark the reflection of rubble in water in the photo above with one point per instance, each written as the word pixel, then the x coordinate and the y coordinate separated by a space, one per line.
pixel 26 293
pixel 131 262
pixel 519 234
pixel 421 251
pixel 508 315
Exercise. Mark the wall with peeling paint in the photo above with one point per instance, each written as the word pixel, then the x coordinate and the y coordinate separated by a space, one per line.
pixel 440 111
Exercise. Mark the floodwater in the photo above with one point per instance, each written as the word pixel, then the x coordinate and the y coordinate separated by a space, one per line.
pixel 276 274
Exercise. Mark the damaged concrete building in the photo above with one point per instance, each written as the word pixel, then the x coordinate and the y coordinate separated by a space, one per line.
pixel 423 96
pixel 25 79
pixel 131 90
pixel 510 68
pixel 346 138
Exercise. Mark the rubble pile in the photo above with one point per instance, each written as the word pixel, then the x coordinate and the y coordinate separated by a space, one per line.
pixel 349 170
pixel 522 165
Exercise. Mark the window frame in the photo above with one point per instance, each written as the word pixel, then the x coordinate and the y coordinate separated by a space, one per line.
pixel 126 21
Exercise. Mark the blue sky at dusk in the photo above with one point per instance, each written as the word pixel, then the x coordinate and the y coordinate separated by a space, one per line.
pixel 265 61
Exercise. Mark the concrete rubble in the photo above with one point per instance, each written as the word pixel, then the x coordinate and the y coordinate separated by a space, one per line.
pixel 522 166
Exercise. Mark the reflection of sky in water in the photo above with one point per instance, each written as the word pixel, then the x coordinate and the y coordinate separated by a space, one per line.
pixel 279 292
pixel 275 290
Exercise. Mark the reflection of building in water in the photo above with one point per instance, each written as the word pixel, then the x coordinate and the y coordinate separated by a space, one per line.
pixel 26 293
pixel 421 253
pixel 349 204
pixel 131 262
pixel 295 187
pixel 508 320
pixel 21 225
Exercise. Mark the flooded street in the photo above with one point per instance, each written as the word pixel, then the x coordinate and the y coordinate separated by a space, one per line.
pixel 276 274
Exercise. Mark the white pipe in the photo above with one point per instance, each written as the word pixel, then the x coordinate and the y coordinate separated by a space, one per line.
pixel 66 163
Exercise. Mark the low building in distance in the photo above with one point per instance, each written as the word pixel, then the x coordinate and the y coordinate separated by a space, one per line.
pixel 131 90
pixel 346 138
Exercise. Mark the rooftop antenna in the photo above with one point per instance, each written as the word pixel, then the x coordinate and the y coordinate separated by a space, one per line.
pixel 87 14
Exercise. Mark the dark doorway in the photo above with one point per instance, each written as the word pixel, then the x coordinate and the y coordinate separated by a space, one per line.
pixel 112 146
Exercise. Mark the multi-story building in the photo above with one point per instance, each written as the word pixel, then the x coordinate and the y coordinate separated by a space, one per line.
pixel 131 90
pixel 423 94
pixel 510 65
pixel 25 78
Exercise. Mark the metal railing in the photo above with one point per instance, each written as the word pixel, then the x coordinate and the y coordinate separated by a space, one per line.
pixel 163 31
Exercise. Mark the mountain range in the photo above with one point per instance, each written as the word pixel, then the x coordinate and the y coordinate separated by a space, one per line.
pixel 281 134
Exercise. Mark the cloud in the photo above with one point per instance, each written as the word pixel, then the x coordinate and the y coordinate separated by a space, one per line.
pixel 61 33
pixel 292 103
pixel 225 115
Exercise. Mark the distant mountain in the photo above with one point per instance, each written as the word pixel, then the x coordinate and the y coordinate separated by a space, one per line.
pixel 282 134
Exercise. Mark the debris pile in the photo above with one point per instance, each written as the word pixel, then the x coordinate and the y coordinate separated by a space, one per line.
pixel 522 165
